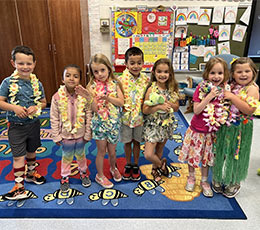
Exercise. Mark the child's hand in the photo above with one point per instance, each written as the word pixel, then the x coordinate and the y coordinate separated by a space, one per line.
pixel 20 111
pixel 228 95
pixel 80 90
pixel 32 110
pixel 165 107
pixel 214 92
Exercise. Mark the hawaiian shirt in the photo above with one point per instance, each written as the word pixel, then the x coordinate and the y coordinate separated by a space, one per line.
pixel 134 89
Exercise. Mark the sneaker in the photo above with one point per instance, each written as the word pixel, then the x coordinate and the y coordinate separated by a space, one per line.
pixel 35 178
pixel 231 191
pixel 206 189
pixel 85 181
pixel 64 184
pixel 217 187
pixel 127 172
pixel 116 174
pixel 136 174
pixel 190 185
pixel 16 193
pixel 104 182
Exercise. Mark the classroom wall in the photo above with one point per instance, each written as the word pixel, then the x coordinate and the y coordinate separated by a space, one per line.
pixel 101 43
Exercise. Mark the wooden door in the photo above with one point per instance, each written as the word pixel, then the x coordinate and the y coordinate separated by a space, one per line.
pixel 65 21
pixel 35 27
pixel 9 36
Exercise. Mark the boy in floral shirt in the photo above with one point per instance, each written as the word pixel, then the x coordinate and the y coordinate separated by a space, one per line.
pixel 134 85
pixel 22 96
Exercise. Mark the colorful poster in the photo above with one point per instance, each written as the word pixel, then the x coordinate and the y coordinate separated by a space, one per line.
pixel 154 46
pixel 224 48
pixel 204 16
pixel 156 22
pixel 224 32
pixel 181 17
pixel 193 15
pixel 125 24
pixel 210 51
pixel 239 33
pixel 218 14
pixel 230 14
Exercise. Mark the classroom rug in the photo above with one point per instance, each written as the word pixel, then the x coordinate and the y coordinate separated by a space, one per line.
pixel 127 199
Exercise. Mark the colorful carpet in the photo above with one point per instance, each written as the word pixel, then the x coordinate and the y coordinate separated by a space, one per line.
pixel 143 199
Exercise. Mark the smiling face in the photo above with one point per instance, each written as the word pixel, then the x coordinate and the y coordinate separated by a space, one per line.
pixel 100 71
pixel 162 73
pixel 71 78
pixel 24 64
pixel 216 74
pixel 135 64
pixel 243 74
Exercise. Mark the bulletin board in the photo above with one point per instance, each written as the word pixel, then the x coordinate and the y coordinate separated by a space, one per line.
pixel 236 48
pixel 150 29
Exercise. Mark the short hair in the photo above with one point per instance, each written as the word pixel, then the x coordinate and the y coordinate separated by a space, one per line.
pixel 133 51
pixel 24 50
pixel 73 66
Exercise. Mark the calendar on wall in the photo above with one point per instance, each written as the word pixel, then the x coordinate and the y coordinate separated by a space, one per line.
pixel 150 29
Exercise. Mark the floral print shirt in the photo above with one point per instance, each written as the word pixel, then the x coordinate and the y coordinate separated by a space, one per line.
pixel 134 89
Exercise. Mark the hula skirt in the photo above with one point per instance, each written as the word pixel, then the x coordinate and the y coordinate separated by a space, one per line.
pixel 232 151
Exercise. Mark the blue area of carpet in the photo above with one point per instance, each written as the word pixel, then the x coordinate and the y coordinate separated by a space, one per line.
pixel 128 199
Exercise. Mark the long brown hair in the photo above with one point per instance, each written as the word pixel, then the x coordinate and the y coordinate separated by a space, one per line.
pixel 171 84
pixel 102 59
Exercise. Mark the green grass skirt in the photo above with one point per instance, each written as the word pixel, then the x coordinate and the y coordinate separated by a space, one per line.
pixel 227 169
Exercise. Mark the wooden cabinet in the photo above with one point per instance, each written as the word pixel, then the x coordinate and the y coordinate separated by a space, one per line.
pixel 52 28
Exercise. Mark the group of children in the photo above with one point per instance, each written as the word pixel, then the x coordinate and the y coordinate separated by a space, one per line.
pixel 110 109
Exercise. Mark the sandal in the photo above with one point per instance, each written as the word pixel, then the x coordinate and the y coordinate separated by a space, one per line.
pixel 156 174
pixel 164 170
pixel 206 189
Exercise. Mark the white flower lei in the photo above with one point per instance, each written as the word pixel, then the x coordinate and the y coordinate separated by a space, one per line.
pixel 63 107
pixel 14 89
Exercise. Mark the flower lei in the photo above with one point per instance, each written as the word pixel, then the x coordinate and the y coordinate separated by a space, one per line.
pixel 130 107
pixel 63 107
pixel 240 91
pixel 14 89
pixel 105 109
pixel 214 114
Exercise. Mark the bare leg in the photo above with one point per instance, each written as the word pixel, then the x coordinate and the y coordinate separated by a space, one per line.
pixel 128 152
pixel 101 147
pixel 136 150
pixel 112 155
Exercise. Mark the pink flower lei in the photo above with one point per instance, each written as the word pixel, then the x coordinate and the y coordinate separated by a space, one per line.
pixel 214 114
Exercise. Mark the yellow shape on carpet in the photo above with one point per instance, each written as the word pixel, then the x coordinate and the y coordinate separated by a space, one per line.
pixel 175 186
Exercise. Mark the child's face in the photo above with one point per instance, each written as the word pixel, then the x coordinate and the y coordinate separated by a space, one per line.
pixel 71 78
pixel 100 71
pixel 216 74
pixel 162 73
pixel 24 64
pixel 243 74
pixel 135 64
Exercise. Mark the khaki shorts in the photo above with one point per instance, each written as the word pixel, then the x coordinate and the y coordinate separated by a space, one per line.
pixel 127 134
